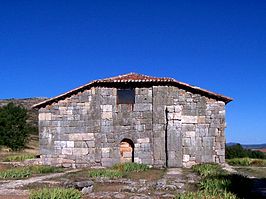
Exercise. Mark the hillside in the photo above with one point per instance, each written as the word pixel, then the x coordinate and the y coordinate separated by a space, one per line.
pixel 26 103
pixel 248 146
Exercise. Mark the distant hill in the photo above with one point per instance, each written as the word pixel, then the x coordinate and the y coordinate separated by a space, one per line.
pixel 248 146
pixel 26 103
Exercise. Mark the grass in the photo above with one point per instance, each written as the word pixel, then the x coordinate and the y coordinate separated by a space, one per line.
pixel 119 170
pixel 18 158
pixel 25 172
pixel 247 162
pixel 207 170
pixel 55 193
pixel 131 167
pixel 216 183
pixel 105 173
pixel 15 173
pixel 42 169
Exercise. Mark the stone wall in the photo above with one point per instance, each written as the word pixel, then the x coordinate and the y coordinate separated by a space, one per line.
pixel 168 126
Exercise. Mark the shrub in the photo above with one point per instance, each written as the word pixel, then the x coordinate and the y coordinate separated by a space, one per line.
pixel 239 161
pixel 55 193
pixel 107 173
pixel 14 129
pixel 19 158
pixel 15 173
pixel 131 167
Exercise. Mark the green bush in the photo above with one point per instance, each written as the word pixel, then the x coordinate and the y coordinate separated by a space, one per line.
pixel 237 151
pixel 14 129
pixel 19 158
pixel 239 161
pixel 15 173
pixel 106 173
pixel 206 195
pixel 131 167
pixel 55 193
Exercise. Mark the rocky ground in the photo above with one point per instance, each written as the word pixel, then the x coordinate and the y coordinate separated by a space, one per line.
pixel 152 184
pixel 173 181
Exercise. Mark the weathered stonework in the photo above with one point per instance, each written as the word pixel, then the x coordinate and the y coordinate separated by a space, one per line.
pixel 167 125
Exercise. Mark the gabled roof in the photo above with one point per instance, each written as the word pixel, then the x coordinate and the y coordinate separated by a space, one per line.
pixel 134 79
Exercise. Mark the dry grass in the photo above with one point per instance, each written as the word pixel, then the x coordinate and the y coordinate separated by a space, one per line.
pixel 32 148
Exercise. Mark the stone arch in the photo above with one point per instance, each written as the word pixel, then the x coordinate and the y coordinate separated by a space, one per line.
pixel 126 148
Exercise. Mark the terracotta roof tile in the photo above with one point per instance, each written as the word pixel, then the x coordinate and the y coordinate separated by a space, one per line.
pixel 134 77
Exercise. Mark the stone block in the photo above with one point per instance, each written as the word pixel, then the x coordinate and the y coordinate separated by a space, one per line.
pixel 174 116
pixel 107 115
pixel 81 136
pixel 142 107
pixel 107 162
pixel 143 140
pixel 220 152
pixel 186 142
pixel 189 119
pixel 80 151
pixel 60 144
pixel 107 108
pixel 70 144
pixel 67 151
pixel 190 134
pixel 201 120
pixel 186 158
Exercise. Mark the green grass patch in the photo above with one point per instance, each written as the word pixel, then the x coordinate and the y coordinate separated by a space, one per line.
pixel 42 169
pixel 18 158
pixel 15 173
pixel 24 172
pixel 207 170
pixel 105 173
pixel 246 162
pixel 119 170
pixel 217 183
pixel 55 193
pixel 131 167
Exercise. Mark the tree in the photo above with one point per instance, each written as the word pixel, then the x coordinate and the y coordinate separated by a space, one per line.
pixel 14 129
pixel 237 151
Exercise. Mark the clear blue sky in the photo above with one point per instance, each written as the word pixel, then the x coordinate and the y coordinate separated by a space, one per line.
pixel 49 47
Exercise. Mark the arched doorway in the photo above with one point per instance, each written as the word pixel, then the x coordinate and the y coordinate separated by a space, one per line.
pixel 126 151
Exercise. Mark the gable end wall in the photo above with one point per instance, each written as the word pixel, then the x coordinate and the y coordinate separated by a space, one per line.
pixel 86 129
